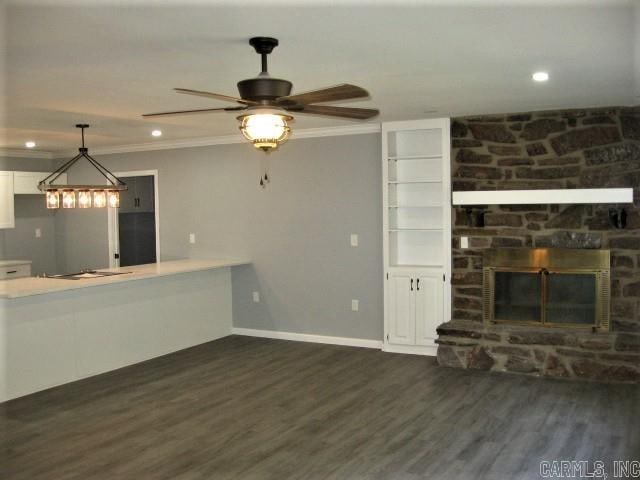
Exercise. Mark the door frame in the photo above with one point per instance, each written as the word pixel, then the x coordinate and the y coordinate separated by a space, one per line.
pixel 112 221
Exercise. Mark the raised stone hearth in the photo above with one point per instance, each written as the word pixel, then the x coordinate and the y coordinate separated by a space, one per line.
pixel 551 352
pixel 588 148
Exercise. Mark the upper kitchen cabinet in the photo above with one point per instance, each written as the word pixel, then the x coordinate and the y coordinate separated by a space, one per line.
pixel 7 217
pixel 139 197
pixel 145 194
pixel 26 183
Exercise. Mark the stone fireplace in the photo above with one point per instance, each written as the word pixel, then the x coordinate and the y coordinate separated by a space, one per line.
pixel 590 148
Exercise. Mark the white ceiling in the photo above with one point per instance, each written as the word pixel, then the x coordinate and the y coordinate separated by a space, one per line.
pixel 106 64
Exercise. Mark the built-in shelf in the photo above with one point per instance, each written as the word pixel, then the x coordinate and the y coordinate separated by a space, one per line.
pixel 402 182
pixel 416 157
pixel 422 265
pixel 538 197
pixel 415 229
pixel 433 205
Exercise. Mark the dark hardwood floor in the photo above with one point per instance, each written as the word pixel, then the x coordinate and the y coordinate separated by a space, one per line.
pixel 249 408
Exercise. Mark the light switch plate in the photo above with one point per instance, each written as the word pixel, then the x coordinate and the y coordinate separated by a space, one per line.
pixel 354 239
pixel 38 233
pixel 355 305
pixel 256 297
pixel 464 242
pixel 192 238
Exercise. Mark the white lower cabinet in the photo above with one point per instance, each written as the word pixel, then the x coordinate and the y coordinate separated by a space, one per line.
pixel 428 307
pixel 414 310
pixel 402 325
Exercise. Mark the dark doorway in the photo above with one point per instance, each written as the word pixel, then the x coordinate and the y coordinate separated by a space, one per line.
pixel 137 222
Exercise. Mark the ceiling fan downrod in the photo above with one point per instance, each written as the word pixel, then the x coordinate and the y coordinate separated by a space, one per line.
pixel 263 46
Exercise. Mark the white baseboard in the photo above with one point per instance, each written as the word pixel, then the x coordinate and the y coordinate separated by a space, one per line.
pixel 305 337
pixel 429 350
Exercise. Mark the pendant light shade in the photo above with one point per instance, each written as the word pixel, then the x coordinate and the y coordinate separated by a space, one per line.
pixel 53 199
pixel 86 195
pixel 99 199
pixel 114 199
pixel 68 199
pixel 84 199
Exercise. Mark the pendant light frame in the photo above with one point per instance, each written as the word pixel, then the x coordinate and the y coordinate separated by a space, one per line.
pixel 114 185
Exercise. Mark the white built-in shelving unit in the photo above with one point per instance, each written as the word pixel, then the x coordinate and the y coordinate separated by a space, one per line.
pixel 417 232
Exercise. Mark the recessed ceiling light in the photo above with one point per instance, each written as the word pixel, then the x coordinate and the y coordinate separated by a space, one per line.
pixel 156 133
pixel 30 144
pixel 540 76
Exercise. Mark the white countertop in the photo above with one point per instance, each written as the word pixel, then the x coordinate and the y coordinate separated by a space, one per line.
pixel 13 263
pixel 25 287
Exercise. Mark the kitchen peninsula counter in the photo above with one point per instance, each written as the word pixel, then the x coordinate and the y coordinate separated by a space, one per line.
pixel 54 331
pixel 24 287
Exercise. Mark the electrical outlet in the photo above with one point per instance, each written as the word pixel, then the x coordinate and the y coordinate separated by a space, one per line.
pixel 256 297
pixel 38 233
pixel 355 305
pixel 464 242
pixel 354 239
pixel 192 238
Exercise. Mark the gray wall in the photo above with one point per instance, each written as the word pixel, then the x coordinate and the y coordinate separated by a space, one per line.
pixel 295 232
pixel 20 243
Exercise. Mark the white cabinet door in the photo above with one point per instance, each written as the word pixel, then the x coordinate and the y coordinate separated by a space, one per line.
pixel 401 310
pixel 429 312
pixel 7 219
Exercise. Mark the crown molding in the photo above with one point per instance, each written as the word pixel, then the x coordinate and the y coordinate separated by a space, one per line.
pixel 19 153
pixel 227 139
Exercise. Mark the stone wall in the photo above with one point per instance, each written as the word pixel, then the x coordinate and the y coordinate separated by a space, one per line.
pixel 562 149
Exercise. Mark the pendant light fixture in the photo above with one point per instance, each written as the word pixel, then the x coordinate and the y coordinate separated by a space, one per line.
pixel 82 196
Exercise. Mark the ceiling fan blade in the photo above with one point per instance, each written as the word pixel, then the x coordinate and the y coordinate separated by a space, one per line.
pixel 330 94
pixel 190 112
pixel 345 112
pixel 217 96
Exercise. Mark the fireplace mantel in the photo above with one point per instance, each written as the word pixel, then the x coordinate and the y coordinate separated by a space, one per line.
pixel 544 197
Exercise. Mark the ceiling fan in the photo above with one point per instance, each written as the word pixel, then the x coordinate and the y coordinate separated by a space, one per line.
pixel 266 99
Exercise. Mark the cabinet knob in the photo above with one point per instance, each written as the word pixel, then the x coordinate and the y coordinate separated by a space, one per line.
pixel 418 284
pixel 412 284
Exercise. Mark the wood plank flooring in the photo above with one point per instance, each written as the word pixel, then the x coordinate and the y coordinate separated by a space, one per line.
pixel 250 408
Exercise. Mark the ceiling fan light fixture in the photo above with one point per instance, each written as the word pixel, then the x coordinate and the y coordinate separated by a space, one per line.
pixel 265 129
pixel 266 100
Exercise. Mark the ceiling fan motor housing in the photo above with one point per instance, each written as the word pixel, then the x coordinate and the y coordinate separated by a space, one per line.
pixel 264 88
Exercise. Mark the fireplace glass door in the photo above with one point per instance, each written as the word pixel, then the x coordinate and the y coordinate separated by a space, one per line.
pixel 545 297
pixel 551 287
pixel 571 298
pixel 517 297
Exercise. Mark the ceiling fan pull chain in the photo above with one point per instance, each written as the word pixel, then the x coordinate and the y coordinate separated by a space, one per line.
pixel 266 170
pixel 262 173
